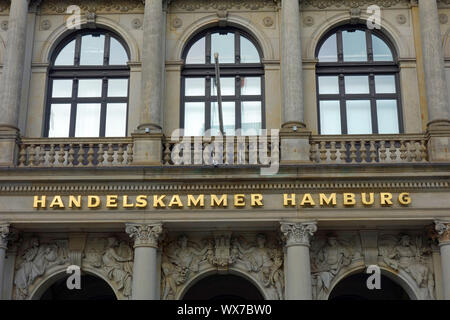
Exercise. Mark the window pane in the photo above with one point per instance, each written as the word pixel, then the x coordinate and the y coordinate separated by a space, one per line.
pixel 356 84
pixel 116 120
pixel 328 51
pixel 385 84
pixel 228 108
pixel 358 117
pixel 329 85
pixel 381 51
pixel 89 88
pixel 88 120
pixel 330 117
pixel 354 45
pixel 224 45
pixel 194 118
pixel 66 56
pixel 62 89
pixel 117 87
pixel 92 48
pixel 387 116
pixel 251 117
pixel 117 53
pixel 59 120
pixel 195 87
pixel 227 86
pixel 196 53
pixel 249 54
pixel 250 86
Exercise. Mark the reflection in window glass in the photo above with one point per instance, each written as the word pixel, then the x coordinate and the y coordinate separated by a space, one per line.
pixel 329 85
pixel 224 45
pixel 381 51
pixel 328 51
pixel 387 116
pixel 227 86
pixel 116 115
pixel 250 86
pixel 66 56
pixel 194 118
pixel 87 123
pixel 59 120
pixel 354 45
pixel 356 84
pixel 196 53
pixel 385 84
pixel 117 87
pixel 92 47
pixel 117 53
pixel 228 110
pixel 62 88
pixel 251 114
pixel 194 87
pixel 330 117
pixel 358 117
pixel 89 88
pixel 249 54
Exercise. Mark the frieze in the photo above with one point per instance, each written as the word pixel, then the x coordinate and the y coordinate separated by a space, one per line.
pixel 324 4
pixel 192 5
pixel 98 6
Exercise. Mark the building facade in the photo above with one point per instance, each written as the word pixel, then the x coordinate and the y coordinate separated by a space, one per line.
pixel 335 160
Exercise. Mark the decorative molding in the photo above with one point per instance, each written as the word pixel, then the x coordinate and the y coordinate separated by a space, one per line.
pixel 323 4
pixel 4 233
pixel 296 234
pixel 136 23
pixel 443 231
pixel 443 18
pixel 144 235
pixel 46 24
pixel 98 6
pixel 192 5
pixel 308 21
pixel 4 25
pixel 401 19
pixel 268 21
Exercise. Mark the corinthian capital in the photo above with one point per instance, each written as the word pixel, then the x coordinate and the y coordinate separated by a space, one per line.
pixel 144 235
pixel 298 234
pixel 443 230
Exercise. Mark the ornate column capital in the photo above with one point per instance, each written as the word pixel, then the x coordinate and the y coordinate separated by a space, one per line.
pixel 443 230
pixel 144 235
pixel 298 233
pixel 6 234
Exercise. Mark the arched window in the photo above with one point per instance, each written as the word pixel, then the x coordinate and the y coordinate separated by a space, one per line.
pixel 88 87
pixel 357 83
pixel 241 78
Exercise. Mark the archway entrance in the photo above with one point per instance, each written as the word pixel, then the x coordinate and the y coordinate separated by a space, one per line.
pixel 221 287
pixel 92 288
pixel 354 287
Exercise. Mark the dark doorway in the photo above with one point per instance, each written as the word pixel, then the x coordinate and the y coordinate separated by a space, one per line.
pixel 354 287
pixel 92 288
pixel 223 287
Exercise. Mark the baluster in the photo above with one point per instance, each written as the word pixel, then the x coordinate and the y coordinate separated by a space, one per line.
pixel 403 150
pixel 71 156
pixel 352 152
pixel 363 151
pixel 81 154
pixel 100 155
pixel 61 155
pixel 32 157
pixel 41 155
pixel 120 157
pixel 343 152
pixel 22 155
pixel 392 150
pixel 412 151
pixel 383 154
pixel 333 151
pixel 166 156
pixel 91 155
pixel 130 153
pixel 51 155
pixel 110 154
pixel 323 151
pixel 423 150
pixel 313 152
pixel 373 151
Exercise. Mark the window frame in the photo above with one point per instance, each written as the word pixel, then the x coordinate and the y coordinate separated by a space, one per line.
pixel 369 68
pixel 207 71
pixel 76 72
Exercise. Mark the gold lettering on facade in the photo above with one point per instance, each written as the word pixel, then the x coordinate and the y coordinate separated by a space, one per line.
pixel 141 201
pixel 365 201
pixel 57 201
pixel 239 200
pixel 386 198
pixel 175 201
pixel 404 198
pixel 158 202
pixel 125 202
pixel 349 199
pixel 222 202
pixel 307 200
pixel 75 201
pixel 39 202
pixel 289 200
pixel 93 201
pixel 256 200
pixel 193 202
pixel 331 200
pixel 111 201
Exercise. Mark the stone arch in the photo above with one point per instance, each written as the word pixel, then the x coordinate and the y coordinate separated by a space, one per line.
pixel 387 28
pixel 213 271
pixel 233 21
pixel 62 32
pixel 402 279
pixel 49 279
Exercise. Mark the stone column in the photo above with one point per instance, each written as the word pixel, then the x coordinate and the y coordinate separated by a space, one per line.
pixel 443 230
pixel 435 82
pixel 145 268
pixel 4 232
pixel 12 78
pixel 298 269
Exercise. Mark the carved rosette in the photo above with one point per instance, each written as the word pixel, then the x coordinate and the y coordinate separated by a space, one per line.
pixel 298 234
pixel 4 232
pixel 443 231
pixel 144 235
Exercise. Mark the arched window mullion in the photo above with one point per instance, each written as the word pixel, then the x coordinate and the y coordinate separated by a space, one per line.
pixel 106 50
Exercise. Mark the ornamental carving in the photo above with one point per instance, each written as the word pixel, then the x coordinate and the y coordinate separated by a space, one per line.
pixel 183 258
pixel 144 234
pixel 98 6
pixel 323 4
pixel 4 233
pixel 408 254
pixel 191 5
pixel 329 255
pixel 298 233
pixel 443 231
